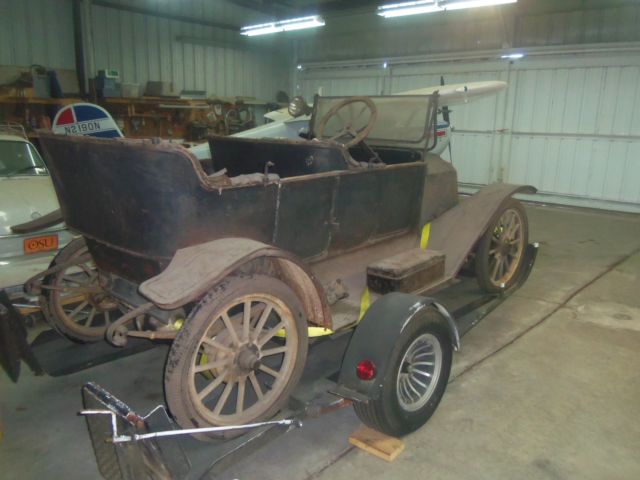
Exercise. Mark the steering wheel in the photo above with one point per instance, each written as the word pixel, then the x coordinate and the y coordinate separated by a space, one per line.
pixel 346 128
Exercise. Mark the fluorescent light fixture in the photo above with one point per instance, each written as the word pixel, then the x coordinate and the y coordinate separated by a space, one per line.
pixel 282 26
pixel 512 56
pixel 475 4
pixel 431 6
pixel 408 8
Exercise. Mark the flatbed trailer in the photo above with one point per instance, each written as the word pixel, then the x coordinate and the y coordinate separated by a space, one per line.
pixel 181 456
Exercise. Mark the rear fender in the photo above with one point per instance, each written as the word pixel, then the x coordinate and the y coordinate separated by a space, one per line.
pixel 376 337
pixel 193 271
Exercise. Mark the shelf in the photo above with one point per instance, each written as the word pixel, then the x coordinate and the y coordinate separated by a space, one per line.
pixel 38 101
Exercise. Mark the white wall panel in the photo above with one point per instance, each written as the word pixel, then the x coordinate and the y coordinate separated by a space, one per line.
pixel 472 157
pixel 568 124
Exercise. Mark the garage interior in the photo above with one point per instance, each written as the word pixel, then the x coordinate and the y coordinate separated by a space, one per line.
pixel 547 384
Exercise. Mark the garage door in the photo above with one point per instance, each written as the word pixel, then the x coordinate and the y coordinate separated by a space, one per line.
pixel 568 124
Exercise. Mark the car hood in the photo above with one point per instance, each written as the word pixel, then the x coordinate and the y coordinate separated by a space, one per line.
pixel 25 198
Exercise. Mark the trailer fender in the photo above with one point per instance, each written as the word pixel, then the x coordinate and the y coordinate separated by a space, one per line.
pixel 376 337
pixel 194 270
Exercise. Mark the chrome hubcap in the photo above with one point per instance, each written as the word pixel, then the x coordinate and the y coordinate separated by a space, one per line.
pixel 419 372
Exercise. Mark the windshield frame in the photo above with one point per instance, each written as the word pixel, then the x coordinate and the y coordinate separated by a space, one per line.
pixel 34 165
pixel 427 140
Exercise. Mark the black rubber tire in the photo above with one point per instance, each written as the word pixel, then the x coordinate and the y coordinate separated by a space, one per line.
pixel 48 301
pixel 385 414
pixel 483 276
pixel 176 374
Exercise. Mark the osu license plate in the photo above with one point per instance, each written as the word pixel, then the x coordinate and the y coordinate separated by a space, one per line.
pixel 44 243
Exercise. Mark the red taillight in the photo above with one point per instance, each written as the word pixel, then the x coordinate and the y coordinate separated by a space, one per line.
pixel 440 133
pixel 366 370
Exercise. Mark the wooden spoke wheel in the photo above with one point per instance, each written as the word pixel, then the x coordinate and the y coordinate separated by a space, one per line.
pixel 238 355
pixel 72 300
pixel 500 253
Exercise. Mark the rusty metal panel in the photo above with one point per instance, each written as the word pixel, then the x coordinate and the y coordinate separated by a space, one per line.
pixel 399 192
pixel 304 216
pixel 354 210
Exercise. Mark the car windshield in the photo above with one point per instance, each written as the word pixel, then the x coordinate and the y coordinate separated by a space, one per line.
pixel 20 158
pixel 401 119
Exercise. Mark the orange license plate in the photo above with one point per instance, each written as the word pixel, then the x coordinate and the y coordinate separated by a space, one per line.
pixel 40 244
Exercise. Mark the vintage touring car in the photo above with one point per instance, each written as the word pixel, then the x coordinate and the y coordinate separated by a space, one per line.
pixel 242 259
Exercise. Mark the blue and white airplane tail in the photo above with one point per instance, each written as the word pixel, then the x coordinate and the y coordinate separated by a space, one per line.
pixel 85 119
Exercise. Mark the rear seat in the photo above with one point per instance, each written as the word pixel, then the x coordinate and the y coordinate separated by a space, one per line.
pixel 285 158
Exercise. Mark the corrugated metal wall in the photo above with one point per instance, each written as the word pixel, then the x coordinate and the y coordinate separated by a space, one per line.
pixel 527 23
pixel 223 11
pixel 568 124
pixel 148 48
pixel 36 31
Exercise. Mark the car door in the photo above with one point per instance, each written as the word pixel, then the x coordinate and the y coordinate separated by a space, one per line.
pixel 374 203
pixel 303 214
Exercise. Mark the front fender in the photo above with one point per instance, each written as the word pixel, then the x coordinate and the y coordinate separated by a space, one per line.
pixel 456 232
pixel 194 270
pixel 376 336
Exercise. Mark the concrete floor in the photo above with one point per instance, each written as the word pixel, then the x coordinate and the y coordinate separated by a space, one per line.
pixel 547 386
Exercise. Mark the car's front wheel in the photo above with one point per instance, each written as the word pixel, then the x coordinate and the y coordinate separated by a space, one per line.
pixel 500 253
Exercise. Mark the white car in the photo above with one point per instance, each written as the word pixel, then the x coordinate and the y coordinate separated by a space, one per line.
pixel 26 193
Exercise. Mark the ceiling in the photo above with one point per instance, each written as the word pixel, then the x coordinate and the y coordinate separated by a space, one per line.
pixel 304 7
pixel 278 9
pixel 230 15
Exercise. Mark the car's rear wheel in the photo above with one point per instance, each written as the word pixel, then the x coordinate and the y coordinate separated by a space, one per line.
pixel 72 300
pixel 239 354
pixel 415 380
pixel 500 252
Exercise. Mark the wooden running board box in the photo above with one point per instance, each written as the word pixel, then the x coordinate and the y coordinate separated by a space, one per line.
pixel 406 272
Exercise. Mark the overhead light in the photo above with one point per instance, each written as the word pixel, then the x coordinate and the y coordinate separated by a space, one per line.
pixel 474 4
pixel 385 65
pixel 299 67
pixel 282 26
pixel 512 56
pixel 432 6
pixel 408 8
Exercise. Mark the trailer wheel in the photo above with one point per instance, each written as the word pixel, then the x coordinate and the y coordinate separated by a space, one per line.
pixel 238 356
pixel 415 380
pixel 500 252
pixel 73 302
